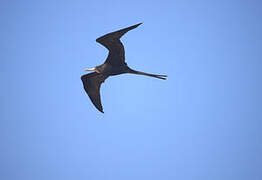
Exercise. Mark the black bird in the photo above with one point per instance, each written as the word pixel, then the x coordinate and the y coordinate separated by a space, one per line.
pixel 114 65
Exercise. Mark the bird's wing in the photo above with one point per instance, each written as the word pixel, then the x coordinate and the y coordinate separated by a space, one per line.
pixel 92 83
pixel 116 49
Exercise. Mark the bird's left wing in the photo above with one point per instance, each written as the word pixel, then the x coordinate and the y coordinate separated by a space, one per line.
pixel 92 83
pixel 111 41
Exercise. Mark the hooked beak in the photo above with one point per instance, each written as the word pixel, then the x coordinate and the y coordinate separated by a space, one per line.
pixel 92 69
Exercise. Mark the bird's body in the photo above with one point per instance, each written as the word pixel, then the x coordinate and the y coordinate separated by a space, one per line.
pixel 114 65
pixel 108 69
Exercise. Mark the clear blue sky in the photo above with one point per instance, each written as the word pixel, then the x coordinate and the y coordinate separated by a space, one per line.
pixel 203 123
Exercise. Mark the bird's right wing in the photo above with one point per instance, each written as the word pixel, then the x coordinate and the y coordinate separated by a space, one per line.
pixel 116 49
pixel 92 83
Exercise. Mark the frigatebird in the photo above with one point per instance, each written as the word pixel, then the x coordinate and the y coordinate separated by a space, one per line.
pixel 114 65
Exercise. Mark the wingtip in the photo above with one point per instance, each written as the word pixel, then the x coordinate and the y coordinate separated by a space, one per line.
pixel 134 26
pixel 100 109
pixel 138 24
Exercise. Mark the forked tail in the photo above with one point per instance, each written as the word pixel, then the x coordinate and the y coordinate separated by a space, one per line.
pixel 148 74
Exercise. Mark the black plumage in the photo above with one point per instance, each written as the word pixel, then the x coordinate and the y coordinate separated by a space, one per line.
pixel 114 65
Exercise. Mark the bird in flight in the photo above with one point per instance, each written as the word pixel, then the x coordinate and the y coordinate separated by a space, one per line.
pixel 114 65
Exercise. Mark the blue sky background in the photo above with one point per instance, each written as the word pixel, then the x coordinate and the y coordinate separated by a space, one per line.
pixel 203 123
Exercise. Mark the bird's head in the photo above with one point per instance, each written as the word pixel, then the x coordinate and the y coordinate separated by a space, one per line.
pixel 92 69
